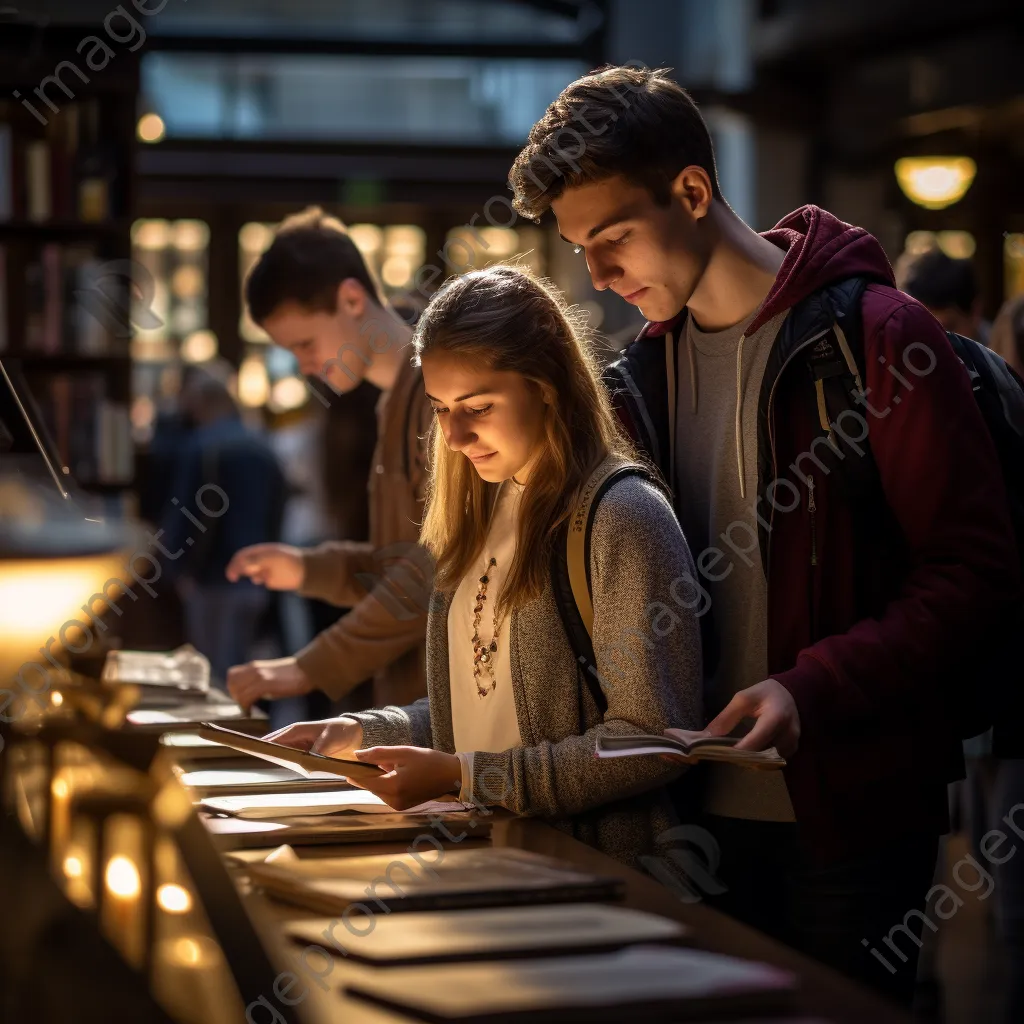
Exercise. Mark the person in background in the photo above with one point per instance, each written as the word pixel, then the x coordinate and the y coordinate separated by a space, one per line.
pixel 948 287
pixel 1006 338
pixel 322 451
pixel 312 292
pixel 229 480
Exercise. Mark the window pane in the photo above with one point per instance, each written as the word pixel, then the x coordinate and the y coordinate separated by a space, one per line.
pixel 174 254
pixel 436 100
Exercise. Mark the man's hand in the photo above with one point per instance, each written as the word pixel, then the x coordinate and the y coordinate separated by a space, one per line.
pixel 267 680
pixel 275 566
pixel 335 737
pixel 414 775
pixel 778 722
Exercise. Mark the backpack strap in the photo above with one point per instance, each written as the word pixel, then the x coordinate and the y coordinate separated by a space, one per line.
pixel 570 571
pixel 835 364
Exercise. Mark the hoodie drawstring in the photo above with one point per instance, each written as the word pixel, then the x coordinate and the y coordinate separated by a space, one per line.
pixel 739 417
pixel 670 376
pixel 693 376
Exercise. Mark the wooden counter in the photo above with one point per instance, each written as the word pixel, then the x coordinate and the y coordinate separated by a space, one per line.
pixel 825 995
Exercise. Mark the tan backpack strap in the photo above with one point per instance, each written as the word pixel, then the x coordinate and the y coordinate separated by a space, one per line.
pixel 576 542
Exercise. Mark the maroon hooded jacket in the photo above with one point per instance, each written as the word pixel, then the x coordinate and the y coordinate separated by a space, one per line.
pixel 871 639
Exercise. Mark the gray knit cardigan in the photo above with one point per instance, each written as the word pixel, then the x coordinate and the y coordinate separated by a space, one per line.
pixel 648 652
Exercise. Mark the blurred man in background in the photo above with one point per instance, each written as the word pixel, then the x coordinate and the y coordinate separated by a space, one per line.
pixel 1007 335
pixel 230 482
pixel 312 292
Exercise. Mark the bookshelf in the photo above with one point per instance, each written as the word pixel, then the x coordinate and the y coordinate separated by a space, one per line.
pixel 67 146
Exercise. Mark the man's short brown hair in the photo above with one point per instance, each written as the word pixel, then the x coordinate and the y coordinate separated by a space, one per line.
pixel 624 121
pixel 310 256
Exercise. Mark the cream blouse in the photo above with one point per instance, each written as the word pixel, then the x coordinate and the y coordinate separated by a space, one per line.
pixel 486 723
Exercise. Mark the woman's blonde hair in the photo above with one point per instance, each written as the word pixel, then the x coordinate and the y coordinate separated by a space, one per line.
pixel 510 320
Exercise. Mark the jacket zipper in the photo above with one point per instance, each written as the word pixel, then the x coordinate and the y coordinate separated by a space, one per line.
pixel 812 507
pixel 771 429
pixel 812 596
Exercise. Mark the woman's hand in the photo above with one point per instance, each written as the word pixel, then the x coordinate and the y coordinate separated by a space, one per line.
pixel 414 774
pixel 335 737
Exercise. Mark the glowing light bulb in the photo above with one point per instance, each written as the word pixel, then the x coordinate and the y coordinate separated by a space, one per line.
pixel 151 128
pixel 173 898
pixel 122 877
pixel 935 182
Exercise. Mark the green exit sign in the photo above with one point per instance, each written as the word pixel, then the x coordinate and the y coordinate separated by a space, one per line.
pixel 361 192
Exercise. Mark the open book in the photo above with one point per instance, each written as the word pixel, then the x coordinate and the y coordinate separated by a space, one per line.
pixel 694 747
pixel 312 766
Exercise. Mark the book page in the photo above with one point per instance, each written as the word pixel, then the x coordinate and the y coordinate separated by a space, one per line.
pixel 260 806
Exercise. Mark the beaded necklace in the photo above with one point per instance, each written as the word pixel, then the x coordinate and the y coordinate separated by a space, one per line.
pixel 483 652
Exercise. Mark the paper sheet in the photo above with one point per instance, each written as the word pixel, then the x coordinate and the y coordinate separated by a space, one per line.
pixel 261 806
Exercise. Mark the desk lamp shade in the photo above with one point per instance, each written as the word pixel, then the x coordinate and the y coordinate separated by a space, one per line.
pixel 55 566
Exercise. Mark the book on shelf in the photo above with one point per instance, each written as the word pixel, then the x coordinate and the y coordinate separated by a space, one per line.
pixel 3 299
pixel 91 431
pixel 494 933
pixel 69 308
pixel 39 193
pixel 6 172
pixel 654 984
pixel 693 746
pixel 479 877
pixel 305 763
pixel 58 172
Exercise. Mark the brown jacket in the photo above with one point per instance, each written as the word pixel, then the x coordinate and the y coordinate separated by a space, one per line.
pixel 386 582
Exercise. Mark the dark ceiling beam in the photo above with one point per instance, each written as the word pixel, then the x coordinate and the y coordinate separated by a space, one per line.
pixel 562 8
pixel 244 159
pixel 365 47
pixel 826 31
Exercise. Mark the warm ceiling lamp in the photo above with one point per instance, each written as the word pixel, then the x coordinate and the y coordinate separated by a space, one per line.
pixel 151 128
pixel 935 182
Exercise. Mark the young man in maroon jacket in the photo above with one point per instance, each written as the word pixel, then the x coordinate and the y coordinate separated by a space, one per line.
pixel 845 641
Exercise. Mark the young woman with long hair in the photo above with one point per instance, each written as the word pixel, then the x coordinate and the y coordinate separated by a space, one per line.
pixel 523 424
